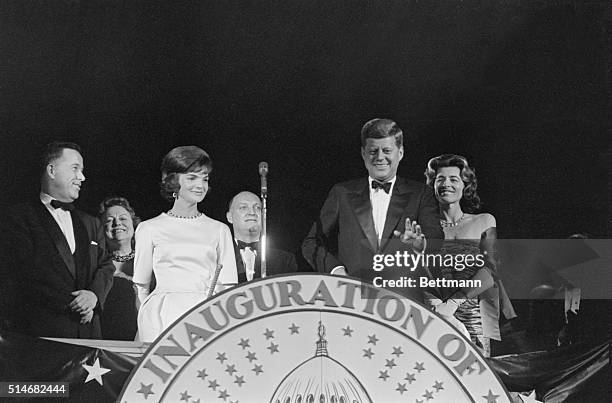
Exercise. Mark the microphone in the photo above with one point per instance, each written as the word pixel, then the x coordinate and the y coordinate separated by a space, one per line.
pixel 263 172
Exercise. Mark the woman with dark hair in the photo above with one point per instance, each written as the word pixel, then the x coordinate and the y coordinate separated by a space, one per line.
pixel 467 232
pixel 120 310
pixel 191 254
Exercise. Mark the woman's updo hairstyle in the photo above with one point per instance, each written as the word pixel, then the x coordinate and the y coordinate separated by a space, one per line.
pixel 178 161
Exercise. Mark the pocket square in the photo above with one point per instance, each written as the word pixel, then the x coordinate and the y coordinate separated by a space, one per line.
pixel 93 243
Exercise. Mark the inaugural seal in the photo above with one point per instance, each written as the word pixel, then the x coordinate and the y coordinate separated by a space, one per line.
pixel 312 338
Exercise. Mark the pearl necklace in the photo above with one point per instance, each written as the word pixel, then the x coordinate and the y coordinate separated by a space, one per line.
pixel 171 214
pixel 122 258
pixel 450 224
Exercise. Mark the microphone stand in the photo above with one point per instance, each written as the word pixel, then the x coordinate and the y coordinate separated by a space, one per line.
pixel 264 237
pixel 263 173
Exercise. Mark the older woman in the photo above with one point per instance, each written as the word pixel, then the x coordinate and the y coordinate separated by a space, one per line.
pixel 119 315
pixel 183 247
pixel 467 232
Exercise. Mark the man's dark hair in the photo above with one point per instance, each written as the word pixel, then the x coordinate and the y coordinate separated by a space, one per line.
pixel 54 150
pixel 380 129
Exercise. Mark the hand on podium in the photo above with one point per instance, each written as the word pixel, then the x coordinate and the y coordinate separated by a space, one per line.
pixel 339 271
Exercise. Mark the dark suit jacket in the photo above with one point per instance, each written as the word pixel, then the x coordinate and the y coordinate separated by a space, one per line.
pixel 41 272
pixel 344 233
pixel 277 262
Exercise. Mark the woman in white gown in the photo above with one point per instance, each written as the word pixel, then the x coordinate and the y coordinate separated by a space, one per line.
pixel 182 247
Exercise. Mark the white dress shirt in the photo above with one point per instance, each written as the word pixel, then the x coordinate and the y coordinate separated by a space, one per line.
pixel 248 258
pixel 63 219
pixel 380 204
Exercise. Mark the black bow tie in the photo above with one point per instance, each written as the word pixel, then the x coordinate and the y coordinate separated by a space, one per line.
pixel 63 205
pixel 386 186
pixel 252 245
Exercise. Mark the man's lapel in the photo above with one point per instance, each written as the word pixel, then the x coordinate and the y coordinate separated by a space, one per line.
pixel 58 237
pixel 81 254
pixel 239 263
pixel 399 200
pixel 360 202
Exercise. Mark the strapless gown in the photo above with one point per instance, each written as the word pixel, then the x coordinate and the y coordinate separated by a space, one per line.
pixel 469 312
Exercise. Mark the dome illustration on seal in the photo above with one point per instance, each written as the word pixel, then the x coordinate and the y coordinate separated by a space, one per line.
pixel 320 379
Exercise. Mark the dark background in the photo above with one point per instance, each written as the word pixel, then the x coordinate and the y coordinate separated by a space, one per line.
pixel 521 88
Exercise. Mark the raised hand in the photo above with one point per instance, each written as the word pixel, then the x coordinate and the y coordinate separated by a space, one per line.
pixel 413 235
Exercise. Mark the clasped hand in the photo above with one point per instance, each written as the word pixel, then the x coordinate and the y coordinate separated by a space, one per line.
pixel 84 303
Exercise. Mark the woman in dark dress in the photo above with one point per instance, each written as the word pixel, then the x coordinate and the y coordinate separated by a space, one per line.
pixel 468 232
pixel 120 310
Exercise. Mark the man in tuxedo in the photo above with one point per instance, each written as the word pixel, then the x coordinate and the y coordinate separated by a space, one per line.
pixel 380 214
pixel 56 270
pixel 244 213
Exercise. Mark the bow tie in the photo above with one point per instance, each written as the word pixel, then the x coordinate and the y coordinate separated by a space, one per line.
pixel 63 205
pixel 386 186
pixel 252 245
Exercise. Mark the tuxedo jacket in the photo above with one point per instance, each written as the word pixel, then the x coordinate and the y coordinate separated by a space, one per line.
pixel 344 233
pixel 41 272
pixel 277 262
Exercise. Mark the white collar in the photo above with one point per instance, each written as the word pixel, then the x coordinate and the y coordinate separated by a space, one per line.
pixel 45 198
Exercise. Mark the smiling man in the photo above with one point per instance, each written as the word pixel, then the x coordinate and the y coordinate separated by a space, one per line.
pixel 244 213
pixel 380 214
pixel 57 272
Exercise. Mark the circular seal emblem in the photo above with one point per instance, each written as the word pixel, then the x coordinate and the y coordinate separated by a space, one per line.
pixel 312 338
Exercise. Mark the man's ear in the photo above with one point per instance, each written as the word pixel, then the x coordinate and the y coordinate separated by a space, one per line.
pixel 50 171
pixel 228 215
